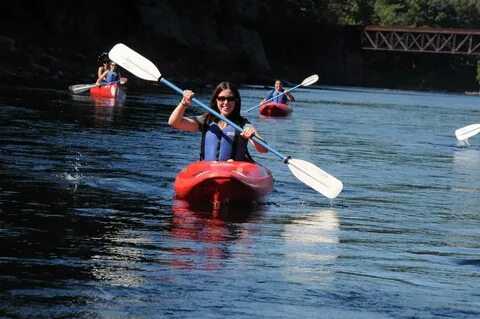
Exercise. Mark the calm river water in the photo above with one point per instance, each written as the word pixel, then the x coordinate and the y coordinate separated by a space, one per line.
pixel 89 227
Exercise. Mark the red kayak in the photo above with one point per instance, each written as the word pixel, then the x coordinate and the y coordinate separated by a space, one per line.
pixel 110 91
pixel 217 182
pixel 275 109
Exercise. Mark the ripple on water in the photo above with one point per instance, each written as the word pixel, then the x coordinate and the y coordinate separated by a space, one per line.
pixel 90 226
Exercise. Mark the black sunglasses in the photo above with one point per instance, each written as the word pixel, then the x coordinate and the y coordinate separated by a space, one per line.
pixel 226 98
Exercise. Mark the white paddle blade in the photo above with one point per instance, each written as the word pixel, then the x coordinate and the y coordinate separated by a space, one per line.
pixel 310 80
pixel 467 131
pixel 134 62
pixel 79 88
pixel 316 178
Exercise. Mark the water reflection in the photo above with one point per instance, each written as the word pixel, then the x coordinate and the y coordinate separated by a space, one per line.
pixel 466 184
pixel 120 260
pixel 311 244
pixel 466 158
pixel 466 166
pixel 98 101
pixel 463 143
pixel 200 233
pixel 104 108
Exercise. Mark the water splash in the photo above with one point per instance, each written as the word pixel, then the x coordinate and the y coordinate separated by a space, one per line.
pixel 74 175
pixel 463 143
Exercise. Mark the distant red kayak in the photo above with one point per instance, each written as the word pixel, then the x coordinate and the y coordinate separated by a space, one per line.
pixel 110 91
pixel 275 109
pixel 217 182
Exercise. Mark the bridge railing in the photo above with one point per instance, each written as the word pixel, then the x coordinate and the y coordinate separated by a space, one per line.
pixel 451 41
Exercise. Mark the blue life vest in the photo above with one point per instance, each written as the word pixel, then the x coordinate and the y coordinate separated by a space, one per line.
pixel 112 76
pixel 278 99
pixel 223 145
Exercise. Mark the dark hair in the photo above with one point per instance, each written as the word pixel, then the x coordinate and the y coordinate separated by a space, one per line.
pixel 235 115
pixel 103 58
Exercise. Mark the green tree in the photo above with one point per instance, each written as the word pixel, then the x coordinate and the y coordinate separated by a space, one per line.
pixel 478 71
pixel 467 13
pixel 432 13
pixel 428 13
pixel 390 12
pixel 346 12
pixel 416 13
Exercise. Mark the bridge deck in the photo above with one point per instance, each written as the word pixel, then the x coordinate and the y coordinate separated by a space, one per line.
pixel 450 41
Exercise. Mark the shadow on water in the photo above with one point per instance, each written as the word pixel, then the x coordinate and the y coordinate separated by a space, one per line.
pixel 57 241
pixel 469 262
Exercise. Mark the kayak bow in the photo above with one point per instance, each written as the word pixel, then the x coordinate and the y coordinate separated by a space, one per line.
pixel 275 109
pixel 113 90
pixel 217 182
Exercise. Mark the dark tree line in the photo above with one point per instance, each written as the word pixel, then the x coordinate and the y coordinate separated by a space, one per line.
pixel 412 13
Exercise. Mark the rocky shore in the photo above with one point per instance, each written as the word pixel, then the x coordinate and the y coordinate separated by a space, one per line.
pixel 56 43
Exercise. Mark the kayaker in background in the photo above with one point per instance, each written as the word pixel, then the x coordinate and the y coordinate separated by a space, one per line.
pixel 111 75
pixel 103 60
pixel 220 141
pixel 277 96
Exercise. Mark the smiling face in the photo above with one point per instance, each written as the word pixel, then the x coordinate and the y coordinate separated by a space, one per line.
pixel 226 102
pixel 278 85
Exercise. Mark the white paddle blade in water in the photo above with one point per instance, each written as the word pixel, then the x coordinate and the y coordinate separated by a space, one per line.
pixel 134 62
pixel 316 178
pixel 467 131
pixel 80 88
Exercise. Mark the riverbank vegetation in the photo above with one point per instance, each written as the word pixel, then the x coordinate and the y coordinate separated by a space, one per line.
pixel 248 41
pixel 412 13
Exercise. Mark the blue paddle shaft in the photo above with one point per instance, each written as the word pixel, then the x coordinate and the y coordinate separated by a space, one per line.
pixel 223 118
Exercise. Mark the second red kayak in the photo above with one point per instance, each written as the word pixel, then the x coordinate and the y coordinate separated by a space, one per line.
pixel 113 90
pixel 218 182
pixel 275 109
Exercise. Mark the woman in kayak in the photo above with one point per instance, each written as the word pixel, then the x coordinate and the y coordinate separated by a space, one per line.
pixel 278 96
pixel 111 75
pixel 104 61
pixel 220 141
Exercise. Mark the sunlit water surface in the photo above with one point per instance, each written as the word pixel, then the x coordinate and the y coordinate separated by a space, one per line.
pixel 89 226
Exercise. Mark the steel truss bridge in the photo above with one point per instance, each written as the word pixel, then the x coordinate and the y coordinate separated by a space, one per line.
pixel 450 41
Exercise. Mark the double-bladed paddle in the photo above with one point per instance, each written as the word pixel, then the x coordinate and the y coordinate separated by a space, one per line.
pixel 467 131
pixel 306 172
pixel 80 88
pixel 308 81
